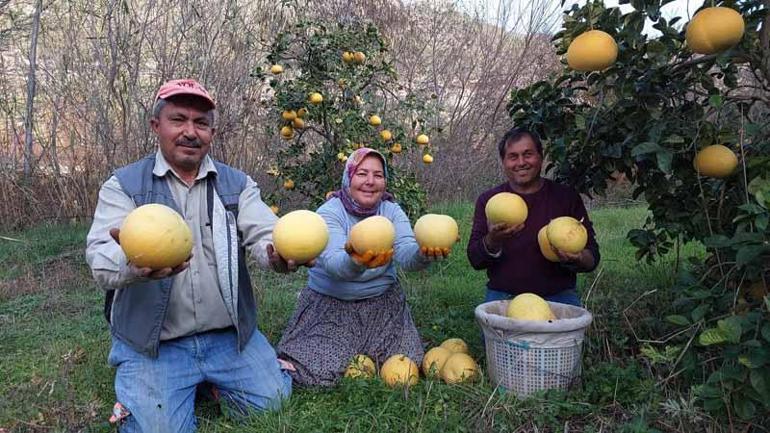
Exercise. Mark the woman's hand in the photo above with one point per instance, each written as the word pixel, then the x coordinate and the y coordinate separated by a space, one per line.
pixel 369 259
pixel 435 254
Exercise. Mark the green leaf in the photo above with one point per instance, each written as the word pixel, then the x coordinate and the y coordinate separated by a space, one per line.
pixel 664 158
pixel 766 331
pixel 711 336
pixel 645 148
pixel 716 101
pixel 699 312
pixel 677 320
pixel 730 328
pixel 748 253
pixel 760 381
pixel 744 408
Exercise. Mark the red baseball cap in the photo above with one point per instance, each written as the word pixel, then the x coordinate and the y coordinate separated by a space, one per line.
pixel 184 87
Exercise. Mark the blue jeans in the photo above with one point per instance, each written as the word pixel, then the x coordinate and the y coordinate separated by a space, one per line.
pixel 568 296
pixel 160 393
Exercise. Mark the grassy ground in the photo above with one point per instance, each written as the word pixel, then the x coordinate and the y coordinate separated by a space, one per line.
pixel 54 344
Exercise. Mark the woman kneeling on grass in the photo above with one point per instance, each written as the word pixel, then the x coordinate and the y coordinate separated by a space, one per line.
pixel 353 303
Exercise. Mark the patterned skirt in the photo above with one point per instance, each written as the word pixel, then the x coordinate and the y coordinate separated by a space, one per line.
pixel 325 333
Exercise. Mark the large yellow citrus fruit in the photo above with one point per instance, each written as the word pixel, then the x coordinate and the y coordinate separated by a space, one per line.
pixel 422 139
pixel 361 366
pixel 545 247
pixel 347 57
pixel 715 161
pixel 155 236
pixel 287 132
pixel 300 235
pixel 427 158
pixel 315 98
pixel 506 207
pixel 386 135
pixel 714 29
pixel 593 50
pixel 455 345
pixel 375 120
pixel 276 69
pixel 529 306
pixel 375 233
pixel 567 234
pixel 399 370
pixel 436 231
pixel 289 115
pixel 459 368
pixel 396 148
pixel 298 123
pixel 359 57
pixel 434 360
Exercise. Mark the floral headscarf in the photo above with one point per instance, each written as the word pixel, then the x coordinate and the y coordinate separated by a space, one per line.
pixel 354 160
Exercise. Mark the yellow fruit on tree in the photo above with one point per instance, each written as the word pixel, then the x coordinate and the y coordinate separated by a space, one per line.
pixel 287 132
pixel 276 69
pixel 714 29
pixel 298 123
pixel 301 112
pixel 715 161
pixel 361 366
pixel 459 368
pixel 375 120
pixel 436 231
pixel 375 233
pixel 155 236
pixel 359 57
pixel 399 370
pixel 427 158
pixel 545 247
pixel 289 115
pixel 288 184
pixel 342 157
pixel 593 50
pixel 529 306
pixel 567 234
pixel 422 139
pixel 275 209
pixel 386 135
pixel 455 345
pixel 300 235
pixel 506 207
pixel 396 148
pixel 347 57
pixel 315 98
pixel 434 360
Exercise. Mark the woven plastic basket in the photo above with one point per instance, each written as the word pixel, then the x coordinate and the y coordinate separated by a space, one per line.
pixel 527 356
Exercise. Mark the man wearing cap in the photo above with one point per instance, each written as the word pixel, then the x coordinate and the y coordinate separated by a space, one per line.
pixel 173 329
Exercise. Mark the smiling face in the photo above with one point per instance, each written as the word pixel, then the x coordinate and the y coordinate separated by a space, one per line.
pixel 184 129
pixel 522 164
pixel 368 182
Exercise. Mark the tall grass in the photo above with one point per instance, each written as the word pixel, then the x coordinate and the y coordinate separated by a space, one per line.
pixel 54 343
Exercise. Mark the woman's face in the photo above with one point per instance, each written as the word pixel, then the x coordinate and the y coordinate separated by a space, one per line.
pixel 368 182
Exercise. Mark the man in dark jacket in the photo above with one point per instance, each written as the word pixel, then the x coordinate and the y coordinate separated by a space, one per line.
pixel 511 254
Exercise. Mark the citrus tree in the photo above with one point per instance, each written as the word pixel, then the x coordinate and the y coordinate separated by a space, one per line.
pixel 334 90
pixel 646 116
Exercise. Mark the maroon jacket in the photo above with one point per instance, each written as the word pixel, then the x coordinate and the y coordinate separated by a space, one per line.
pixel 522 267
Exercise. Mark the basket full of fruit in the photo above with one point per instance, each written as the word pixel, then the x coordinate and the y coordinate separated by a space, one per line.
pixel 533 344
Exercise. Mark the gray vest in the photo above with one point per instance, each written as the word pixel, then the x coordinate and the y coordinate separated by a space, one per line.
pixel 136 315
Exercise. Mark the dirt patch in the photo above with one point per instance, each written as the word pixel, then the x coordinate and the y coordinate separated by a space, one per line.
pixel 55 275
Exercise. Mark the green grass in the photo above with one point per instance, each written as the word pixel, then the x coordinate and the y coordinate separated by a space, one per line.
pixel 54 344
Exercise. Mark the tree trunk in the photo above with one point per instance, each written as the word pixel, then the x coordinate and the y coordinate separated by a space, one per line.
pixel 28 124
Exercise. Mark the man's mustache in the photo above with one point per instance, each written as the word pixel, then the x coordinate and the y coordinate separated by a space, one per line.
pixel 189 143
